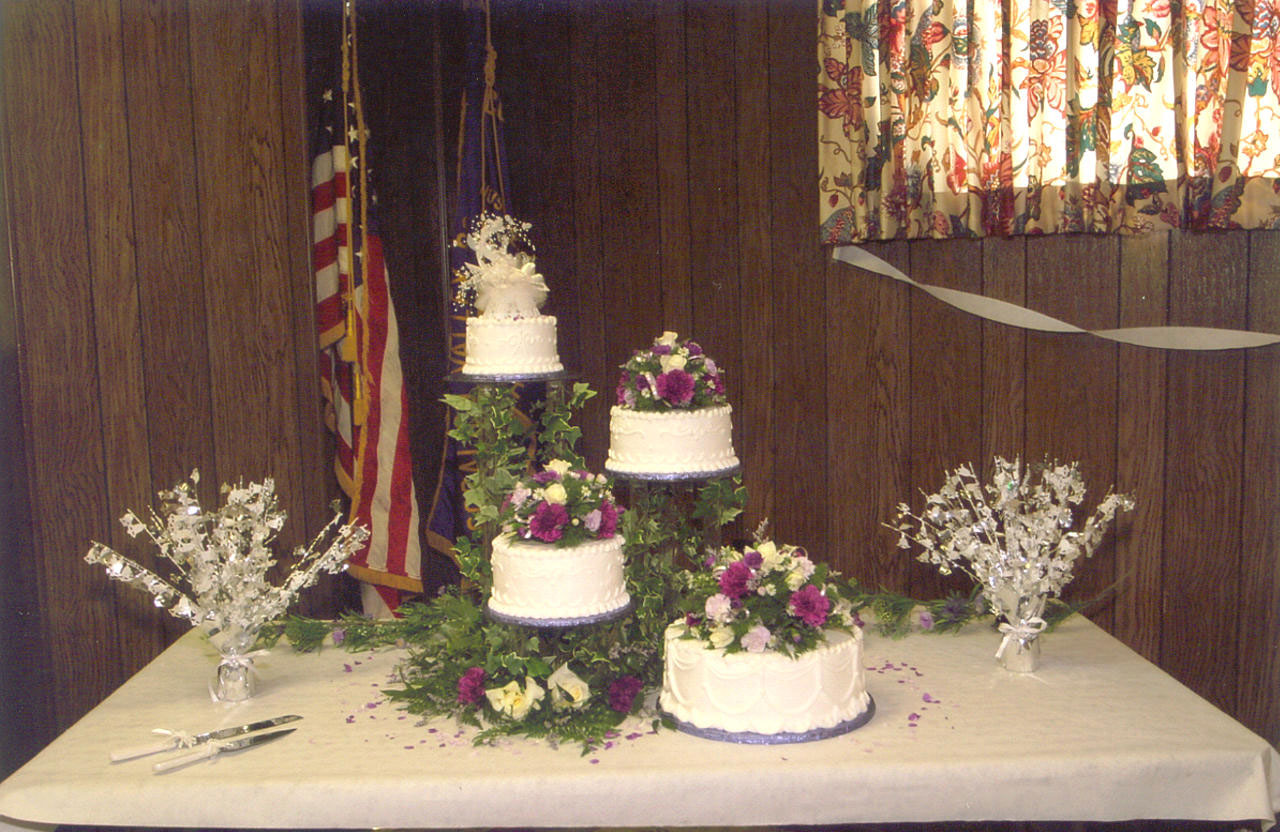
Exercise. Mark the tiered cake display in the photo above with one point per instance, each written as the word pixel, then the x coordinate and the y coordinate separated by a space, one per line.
pixel 773 655
pixel 510 337
pixel 559 561
pixel 671 419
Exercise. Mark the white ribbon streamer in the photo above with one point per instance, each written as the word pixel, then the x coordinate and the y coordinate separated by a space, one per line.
pixel 1011 314
pixel 1023 631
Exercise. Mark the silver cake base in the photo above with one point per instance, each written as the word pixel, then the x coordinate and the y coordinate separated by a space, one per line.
pixel 781 738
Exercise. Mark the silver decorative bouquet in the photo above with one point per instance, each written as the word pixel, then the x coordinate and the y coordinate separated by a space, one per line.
pixel 1014 536
pixel 220 560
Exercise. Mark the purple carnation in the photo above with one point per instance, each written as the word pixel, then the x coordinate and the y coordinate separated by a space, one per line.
pixel 753 558
pixel 622 693
pixel 544 477
pixel 548 521
pixel 693 347
pixel 675 386
pixel 661 349
pixel 733 580
pixel 471 686
pixel 810 605
pixel 620 394
pixel 608 520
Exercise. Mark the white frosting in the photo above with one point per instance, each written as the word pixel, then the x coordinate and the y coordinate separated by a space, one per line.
pixel 540 581
pixel 672 442
pixel 763 693
pixel 511 346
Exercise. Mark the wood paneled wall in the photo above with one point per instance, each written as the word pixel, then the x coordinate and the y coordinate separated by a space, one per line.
pixel 155 204
pixel 157 223
pixel 666 155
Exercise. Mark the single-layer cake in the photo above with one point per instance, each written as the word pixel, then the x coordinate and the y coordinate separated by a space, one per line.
pixel 671 418
pixel 675 442
pixel 512 346
pixel 539 583
pixel 766 697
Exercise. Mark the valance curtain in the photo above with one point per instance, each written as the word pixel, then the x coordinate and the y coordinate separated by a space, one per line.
pixel 998 117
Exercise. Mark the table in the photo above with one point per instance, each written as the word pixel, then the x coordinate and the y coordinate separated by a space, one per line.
pixel 1097 733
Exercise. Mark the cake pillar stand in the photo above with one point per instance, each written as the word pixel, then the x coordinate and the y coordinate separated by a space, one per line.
pixel 673 498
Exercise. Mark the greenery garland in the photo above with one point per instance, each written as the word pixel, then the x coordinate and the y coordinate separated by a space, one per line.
pixel 574 685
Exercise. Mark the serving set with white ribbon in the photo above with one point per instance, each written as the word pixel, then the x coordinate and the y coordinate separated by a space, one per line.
pixel 206 745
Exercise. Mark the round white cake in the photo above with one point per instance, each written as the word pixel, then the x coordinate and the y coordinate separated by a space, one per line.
pixel 676 442
pixel 764 697
pixel 512 346
pixel 538 583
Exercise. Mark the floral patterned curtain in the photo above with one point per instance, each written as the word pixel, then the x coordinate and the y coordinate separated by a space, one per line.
pixel 997 117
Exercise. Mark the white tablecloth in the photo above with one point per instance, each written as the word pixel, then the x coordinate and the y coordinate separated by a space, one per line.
pixel 1097 734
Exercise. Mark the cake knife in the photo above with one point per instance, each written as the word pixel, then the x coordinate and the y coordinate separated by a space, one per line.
pixel 216 747
pixel 175 740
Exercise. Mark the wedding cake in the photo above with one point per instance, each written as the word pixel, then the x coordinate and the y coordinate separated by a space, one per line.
pixel 770 653
pixel 559 559
pixel 510 337
pixel 671 417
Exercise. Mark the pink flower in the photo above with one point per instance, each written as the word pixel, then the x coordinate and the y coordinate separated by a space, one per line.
pixel 675 386
pixel 810 605
pixel 471 686
pixel 548 522
pixel 756 639
pixel 733 580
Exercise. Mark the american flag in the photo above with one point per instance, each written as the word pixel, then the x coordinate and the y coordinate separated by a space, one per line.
pixel 360 371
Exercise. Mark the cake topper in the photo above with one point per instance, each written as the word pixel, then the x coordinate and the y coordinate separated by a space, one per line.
pixel 504 280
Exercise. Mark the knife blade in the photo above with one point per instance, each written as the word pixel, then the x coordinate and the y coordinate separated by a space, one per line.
pixel 213 749
pixel 176 740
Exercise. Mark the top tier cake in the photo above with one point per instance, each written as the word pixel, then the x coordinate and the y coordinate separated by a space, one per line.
pixel 510 337
pixel 671 418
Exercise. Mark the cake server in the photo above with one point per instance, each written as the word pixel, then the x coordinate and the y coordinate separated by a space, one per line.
pixel 216 747
pixel 175 739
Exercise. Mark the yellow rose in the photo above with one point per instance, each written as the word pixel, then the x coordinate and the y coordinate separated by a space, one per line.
pixel 721 636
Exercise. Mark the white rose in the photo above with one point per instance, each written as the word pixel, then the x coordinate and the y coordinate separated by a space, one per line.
pixel 567 689
pixel 667 338
pixel 555 493
pixel 560 466
pixel 674 361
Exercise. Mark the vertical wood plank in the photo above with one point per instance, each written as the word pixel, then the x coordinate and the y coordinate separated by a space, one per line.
pixel 235 101
pixel 1071 380
pixel 799 288
pixel 868 418
pixel 62 414
pixel 170 272
pixel 675 95
pixel 109 214
pixel 1140 447
pixel 1258 625
pixel 712 208
pixel 1004 353
pixel 946 382
pixel 598 360
pixel 1203 469
pixel 755 375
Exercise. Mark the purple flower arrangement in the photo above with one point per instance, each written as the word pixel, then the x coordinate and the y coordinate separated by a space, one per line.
pixel 561 506
pixel 765 597
pixel 670 375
